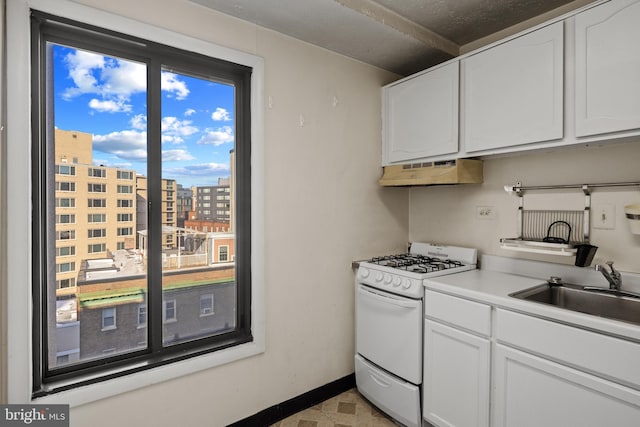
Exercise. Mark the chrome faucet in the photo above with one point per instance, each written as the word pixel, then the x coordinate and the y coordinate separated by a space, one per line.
pixel 614 278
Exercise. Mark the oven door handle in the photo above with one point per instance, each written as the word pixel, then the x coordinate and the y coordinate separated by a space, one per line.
pixel 379 381
pixel 404 302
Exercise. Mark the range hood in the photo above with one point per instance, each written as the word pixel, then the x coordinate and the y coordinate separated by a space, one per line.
pixel 459 171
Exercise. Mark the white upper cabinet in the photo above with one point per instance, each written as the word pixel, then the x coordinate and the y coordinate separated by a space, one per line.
pixel 608 68
pixel 420 116
pixel 512 94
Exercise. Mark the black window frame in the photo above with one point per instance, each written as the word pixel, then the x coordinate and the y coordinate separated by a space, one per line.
pixel 50 28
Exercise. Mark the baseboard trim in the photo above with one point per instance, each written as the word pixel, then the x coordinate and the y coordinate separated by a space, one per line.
pixel 306 400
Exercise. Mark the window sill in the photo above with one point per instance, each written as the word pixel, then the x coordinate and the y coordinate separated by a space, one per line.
pixel 81 395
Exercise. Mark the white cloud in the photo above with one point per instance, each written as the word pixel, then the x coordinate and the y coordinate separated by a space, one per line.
pixel 176 155
pixel 129 145
pixel 124 78
pixel 221 115
pixel 189 112
pixel 81 66
pixel 104 76
pixel 173 130
pixel 206 170
pixel 218 136
pixel 110 106
pixel 114 80
pixel 171 83
pixel 139 121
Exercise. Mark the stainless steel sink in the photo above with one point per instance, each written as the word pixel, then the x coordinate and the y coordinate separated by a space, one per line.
pixel 612 304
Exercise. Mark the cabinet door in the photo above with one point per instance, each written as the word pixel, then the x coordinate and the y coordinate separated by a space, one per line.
pixel 456 377
pixel 608 68
pixel 531 392
pixel 513 93
pixel 421 116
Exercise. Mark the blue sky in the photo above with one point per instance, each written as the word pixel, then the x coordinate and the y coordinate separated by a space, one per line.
pixel 106 96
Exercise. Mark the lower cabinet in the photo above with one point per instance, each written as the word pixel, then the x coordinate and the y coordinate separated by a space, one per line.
pixel 533 391
pixel 456 377
pixel 490 366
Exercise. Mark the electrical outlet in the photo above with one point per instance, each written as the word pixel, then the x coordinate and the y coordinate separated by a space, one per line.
pixel 485 212
pixel 603 217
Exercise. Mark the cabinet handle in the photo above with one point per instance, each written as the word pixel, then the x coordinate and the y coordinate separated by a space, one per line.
pixel 406 303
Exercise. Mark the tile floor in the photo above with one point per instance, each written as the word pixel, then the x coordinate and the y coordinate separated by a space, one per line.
pixel 348 409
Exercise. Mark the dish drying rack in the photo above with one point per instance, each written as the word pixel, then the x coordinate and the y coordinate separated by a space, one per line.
pixel 542 231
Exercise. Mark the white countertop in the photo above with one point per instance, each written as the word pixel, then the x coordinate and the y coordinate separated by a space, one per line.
pixel 494 287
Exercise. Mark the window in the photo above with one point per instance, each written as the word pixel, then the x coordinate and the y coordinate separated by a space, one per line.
pixel 97 218
pixel 142 315
pixel 124 175
pixel 66 235
pixel 97 188
pixel 125 203
pixel 65 251
pixel 65 267
pixel 97 203
pixel 97 173
pixel 206 305
pixel 169 311
pixel 65 202
pixel 163 76
pixel 108 318
pixel 65 219
pixel 93 233
pixel 223 253
pixel 123 189
pixel 65 170
pixel 120 245
pixel 65 283
pixel 65 186
pixel 97 248
pixel 125 217
pixel 125 231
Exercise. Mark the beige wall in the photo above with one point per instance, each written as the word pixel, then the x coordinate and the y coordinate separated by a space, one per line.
pixel 323 209
pixel 447 214
pixel 3 225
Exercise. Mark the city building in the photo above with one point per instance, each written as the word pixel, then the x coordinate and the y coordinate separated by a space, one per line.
pixel 213 202
pixel 95 209
pixel 184 204
pixel 112 312
pixel 168 206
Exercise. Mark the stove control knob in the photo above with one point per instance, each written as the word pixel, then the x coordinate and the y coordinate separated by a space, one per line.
pixel 387 279
pixel 406 284
pixel 364 272
pixel 378 277
pixel 396 281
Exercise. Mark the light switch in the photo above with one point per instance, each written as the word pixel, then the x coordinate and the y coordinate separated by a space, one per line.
pixel 604 217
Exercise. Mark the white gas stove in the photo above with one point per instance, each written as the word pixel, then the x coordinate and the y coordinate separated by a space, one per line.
pixel 389 324
pixel 402 274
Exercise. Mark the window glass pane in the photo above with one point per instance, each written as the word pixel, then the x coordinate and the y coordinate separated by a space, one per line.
pixel 198 127
pixel 96 285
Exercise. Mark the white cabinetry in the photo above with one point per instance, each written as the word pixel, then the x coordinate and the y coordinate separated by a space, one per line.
pixel 532 391
pixel 457 361
pixel 561 376
pixel 512 94
pixel 608 68
pixel 420 116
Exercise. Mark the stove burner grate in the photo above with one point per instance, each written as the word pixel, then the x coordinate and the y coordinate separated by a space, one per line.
pixel 415 262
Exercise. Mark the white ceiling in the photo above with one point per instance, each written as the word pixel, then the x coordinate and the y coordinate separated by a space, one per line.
pixel 402 36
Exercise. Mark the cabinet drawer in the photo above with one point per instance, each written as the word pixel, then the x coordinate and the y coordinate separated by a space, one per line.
pixel 603 355
pixel 469 315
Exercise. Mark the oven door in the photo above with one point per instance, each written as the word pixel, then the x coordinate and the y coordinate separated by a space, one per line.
pixel 389 332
